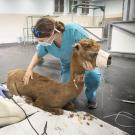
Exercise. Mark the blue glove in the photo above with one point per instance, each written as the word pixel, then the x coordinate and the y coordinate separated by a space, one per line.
pixel 1 90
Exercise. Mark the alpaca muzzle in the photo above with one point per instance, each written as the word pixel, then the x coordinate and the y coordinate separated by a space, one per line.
pixel 103 59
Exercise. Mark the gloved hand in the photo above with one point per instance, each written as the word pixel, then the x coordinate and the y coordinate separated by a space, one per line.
pixel 87 65
pixel 28 75
pixel 1 90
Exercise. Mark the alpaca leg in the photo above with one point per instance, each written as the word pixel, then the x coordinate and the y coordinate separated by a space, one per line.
pixel 55 111
pixel 69 106
pixel 40 103
pixel 29 100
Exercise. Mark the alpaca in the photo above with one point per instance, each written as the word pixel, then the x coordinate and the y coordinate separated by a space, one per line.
pixel 51 95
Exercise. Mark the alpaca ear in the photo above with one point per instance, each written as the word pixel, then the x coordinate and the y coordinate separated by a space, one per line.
pixel 98 46
pixel 76 46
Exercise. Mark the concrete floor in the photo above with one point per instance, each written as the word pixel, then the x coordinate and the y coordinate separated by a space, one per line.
pixel 118 82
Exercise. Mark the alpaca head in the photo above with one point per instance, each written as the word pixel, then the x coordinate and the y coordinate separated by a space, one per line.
pixel 89 50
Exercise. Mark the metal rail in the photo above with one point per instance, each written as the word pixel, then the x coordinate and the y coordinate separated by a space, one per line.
pixel 92 33
pixel 89 6
pixel 121 28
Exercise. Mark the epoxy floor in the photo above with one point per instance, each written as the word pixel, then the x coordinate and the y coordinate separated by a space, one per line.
pixel 118 82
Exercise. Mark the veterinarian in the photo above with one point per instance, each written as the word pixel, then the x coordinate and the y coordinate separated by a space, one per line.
pixel 57 39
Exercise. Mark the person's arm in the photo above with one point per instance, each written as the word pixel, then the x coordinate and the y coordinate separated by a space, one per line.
pixel 35 60
pixel 29 73
pixel 40 52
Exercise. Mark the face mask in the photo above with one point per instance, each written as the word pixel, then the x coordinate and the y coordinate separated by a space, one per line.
pixel 46 43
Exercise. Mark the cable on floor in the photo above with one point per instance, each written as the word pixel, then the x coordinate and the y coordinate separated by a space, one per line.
pixel 10 96
pixel 45 127
pixel 123 114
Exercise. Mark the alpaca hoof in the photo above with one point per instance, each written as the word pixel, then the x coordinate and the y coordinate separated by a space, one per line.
pixel 55 111
pixel 58 112
pixel 28 100
pixel 70 106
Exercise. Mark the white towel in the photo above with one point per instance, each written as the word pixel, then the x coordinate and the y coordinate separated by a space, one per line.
pixel 10 112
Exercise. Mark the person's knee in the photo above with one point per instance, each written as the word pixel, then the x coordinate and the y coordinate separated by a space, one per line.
pixel 92 79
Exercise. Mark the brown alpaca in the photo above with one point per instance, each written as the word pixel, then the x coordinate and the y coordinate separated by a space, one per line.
pixel 51 95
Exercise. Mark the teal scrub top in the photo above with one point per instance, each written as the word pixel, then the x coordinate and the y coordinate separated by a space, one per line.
pixel 72 34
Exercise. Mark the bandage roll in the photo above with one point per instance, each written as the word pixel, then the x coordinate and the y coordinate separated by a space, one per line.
pixel 102 58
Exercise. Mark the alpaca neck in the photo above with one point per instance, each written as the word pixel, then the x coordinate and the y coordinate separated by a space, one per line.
pixel 75 70
pixel 75 67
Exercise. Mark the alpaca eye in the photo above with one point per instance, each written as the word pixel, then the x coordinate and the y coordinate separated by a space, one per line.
pixel 87 47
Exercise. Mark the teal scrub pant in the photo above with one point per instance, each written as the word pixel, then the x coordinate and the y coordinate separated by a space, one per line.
pixel 92 81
